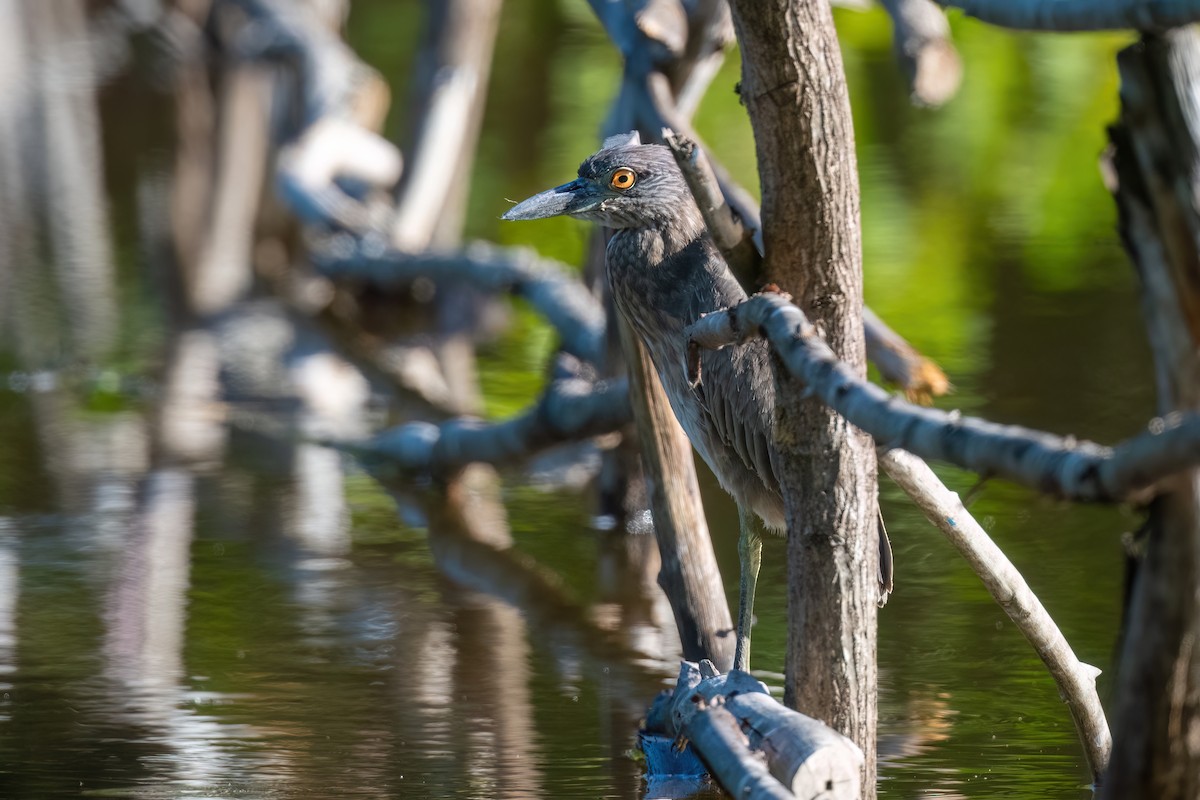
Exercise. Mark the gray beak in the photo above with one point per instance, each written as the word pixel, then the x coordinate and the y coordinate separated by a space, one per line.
pixel 576 197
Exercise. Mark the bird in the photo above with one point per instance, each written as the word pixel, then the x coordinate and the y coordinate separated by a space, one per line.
pixel 665 273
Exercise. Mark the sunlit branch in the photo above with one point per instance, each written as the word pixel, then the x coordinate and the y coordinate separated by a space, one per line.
pixel 1062 466
pixel 1076 680
pixel 921 40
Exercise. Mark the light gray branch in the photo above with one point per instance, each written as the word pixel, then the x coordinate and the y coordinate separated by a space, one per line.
pixel 1076 470
pixel 921 40
pixel 342 101
pixel 547 285
pixel 1081 15
pixel 1076 680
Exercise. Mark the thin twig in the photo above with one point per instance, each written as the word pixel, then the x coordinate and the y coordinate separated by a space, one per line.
pixel 732 238
pixel 1076 680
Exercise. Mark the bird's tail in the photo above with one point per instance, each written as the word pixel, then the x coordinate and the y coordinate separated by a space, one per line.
pixel 886 566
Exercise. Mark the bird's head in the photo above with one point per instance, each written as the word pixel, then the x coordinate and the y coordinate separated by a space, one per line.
pixel 625 184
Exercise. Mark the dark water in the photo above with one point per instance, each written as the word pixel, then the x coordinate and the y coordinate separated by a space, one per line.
pixel 268 622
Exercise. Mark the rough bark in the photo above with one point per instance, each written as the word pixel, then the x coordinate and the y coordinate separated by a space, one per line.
pixel 794 88
pixel 1155 176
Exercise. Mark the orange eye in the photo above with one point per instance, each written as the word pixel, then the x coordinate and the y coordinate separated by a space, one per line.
pixel 622 179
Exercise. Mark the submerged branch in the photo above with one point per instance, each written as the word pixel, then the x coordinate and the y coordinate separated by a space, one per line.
pixel 1063 466
pixel 1076 680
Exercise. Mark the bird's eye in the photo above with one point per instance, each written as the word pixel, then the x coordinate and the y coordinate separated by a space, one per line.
pixel 622 179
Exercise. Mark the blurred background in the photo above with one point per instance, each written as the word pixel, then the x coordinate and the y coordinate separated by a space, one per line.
pixel 197 599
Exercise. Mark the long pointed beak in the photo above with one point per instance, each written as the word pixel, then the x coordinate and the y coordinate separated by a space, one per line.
pixel 575 197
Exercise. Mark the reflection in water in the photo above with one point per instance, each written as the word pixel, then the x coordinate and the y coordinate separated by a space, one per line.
pixel 196 600
pixel 8 617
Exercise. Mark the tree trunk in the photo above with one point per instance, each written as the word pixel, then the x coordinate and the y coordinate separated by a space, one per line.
pixel 794 87
pixel 1155 176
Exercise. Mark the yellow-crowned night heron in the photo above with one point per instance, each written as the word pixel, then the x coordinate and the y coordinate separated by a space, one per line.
pixel 665 273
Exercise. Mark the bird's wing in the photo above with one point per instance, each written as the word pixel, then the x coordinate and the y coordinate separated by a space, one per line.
pixel 738 392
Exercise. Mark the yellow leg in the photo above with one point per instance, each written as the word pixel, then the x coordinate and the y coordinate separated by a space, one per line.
pixel 750 558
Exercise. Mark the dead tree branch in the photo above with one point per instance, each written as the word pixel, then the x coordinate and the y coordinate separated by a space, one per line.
pixel 1081 15
pixel 921 40
pixel 547 285
pixel 1063 466
pixel 733 238
pixel 1076 680
pixel 571 409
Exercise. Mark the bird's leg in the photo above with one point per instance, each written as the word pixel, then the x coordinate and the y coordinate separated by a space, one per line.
pixel 749 558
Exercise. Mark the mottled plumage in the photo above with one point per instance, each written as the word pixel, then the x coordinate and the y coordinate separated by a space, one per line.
pixel 665 273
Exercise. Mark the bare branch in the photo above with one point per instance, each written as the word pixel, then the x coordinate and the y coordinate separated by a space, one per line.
pixel 733 239
pixel 899 362
pixel 547 285
pixel 571 409
pixel 1076 470
pixel 1076 680
pixel 1081 15
pixel 921 39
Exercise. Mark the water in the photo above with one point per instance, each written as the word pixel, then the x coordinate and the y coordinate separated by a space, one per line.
pixel 262 619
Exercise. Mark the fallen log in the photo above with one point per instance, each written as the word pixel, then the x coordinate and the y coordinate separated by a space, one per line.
pixel 753 745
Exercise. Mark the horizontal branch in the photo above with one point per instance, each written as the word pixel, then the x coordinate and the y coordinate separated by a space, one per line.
pixel 1076 680
pixel 571 409
pixel 1076 470
pixel 547 285
pixel 1081 15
